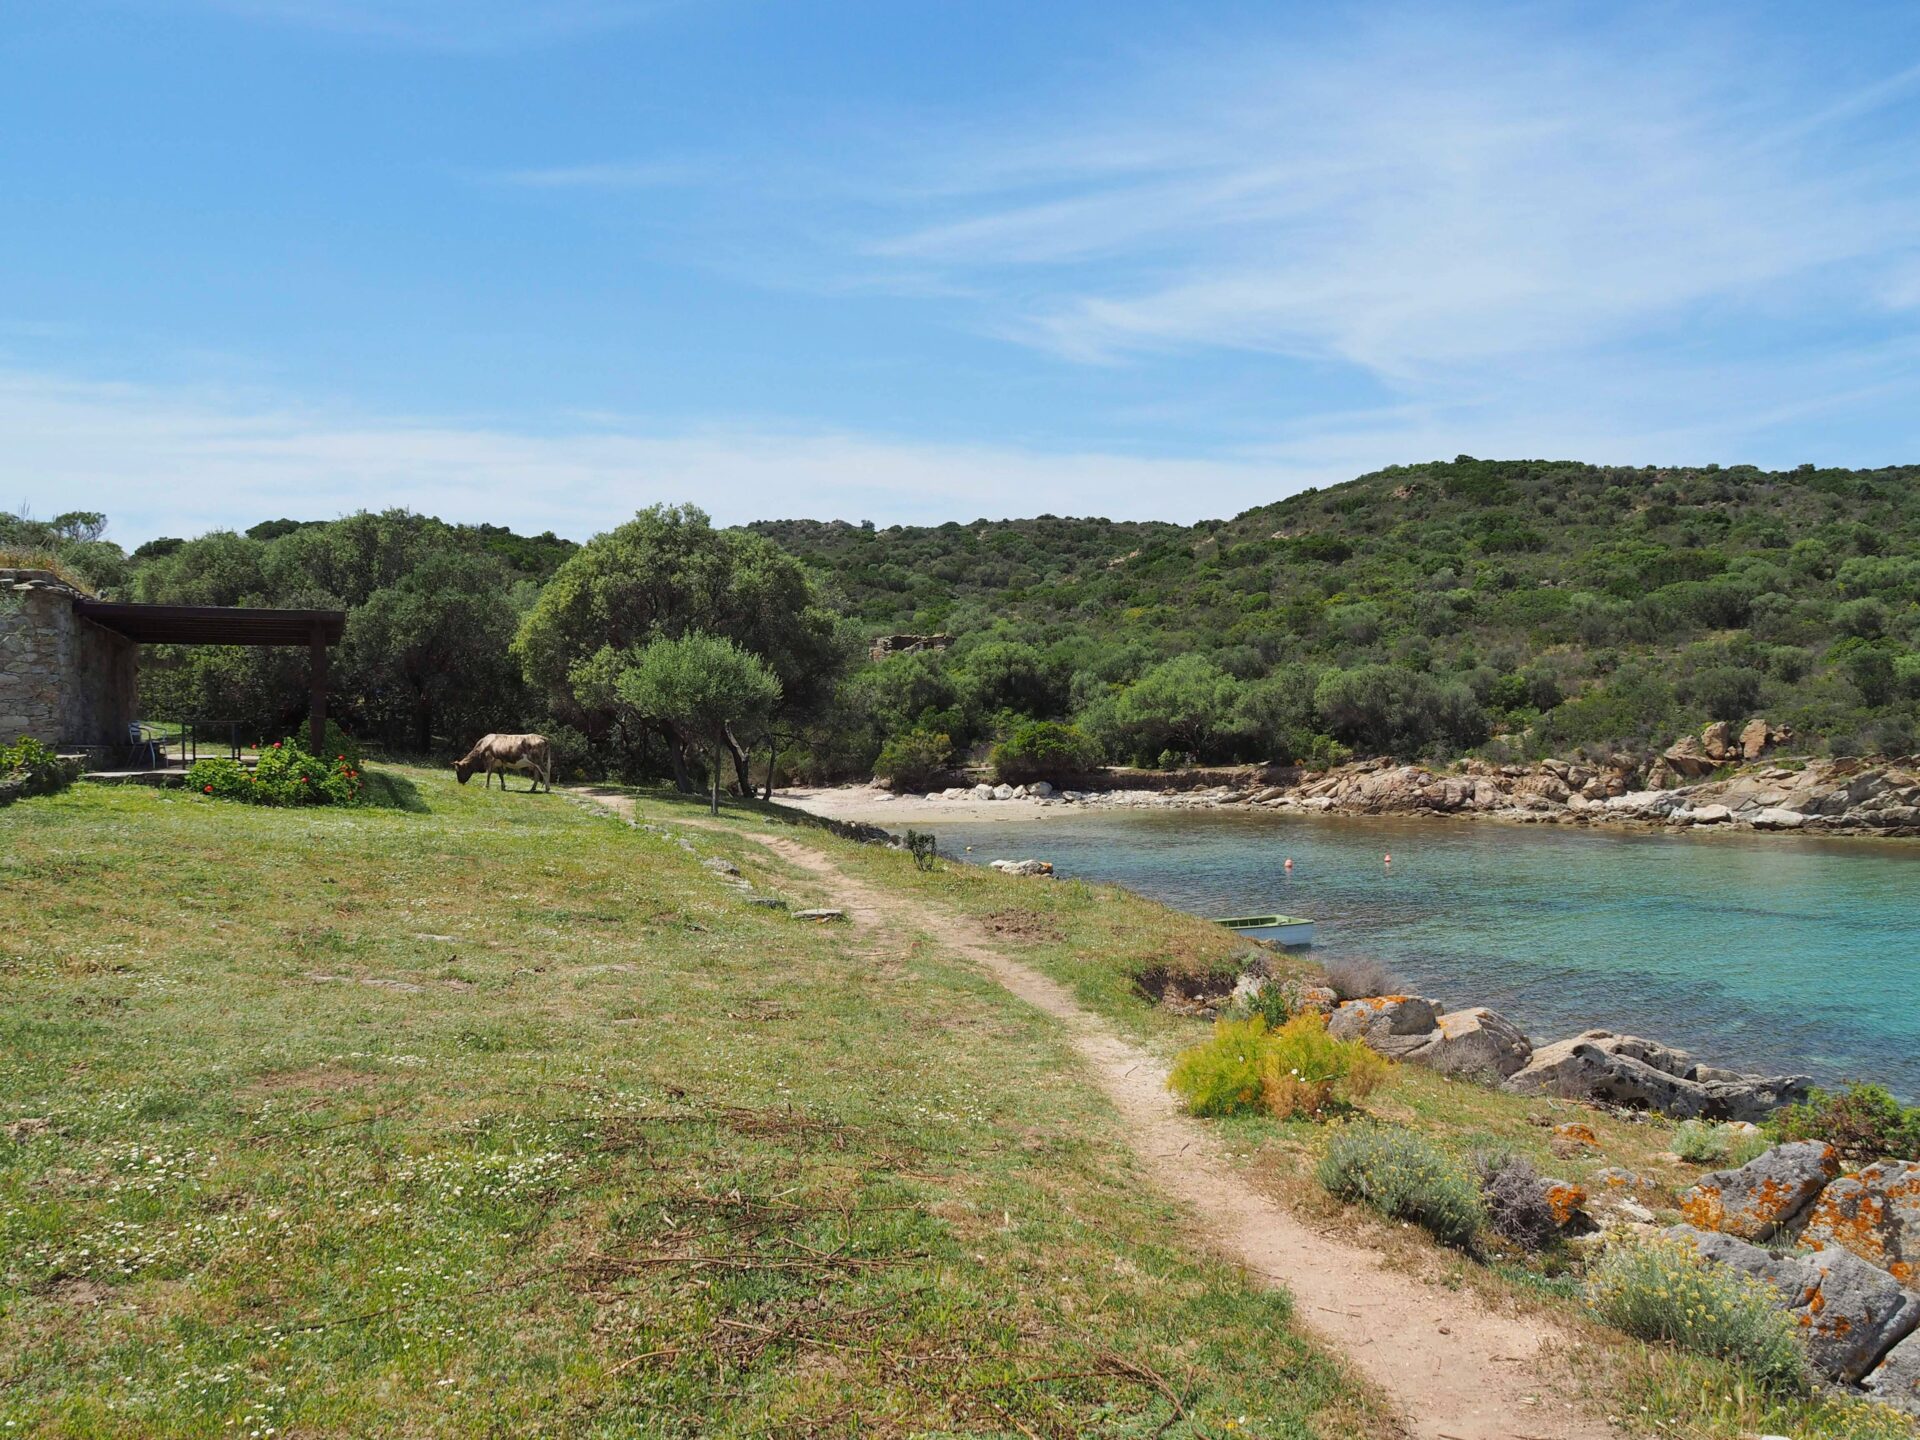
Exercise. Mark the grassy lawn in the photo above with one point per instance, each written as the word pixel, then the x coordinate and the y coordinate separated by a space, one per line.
pixel 469 1114
pixel 1095 938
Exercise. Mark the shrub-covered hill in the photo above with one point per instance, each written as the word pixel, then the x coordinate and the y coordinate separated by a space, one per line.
pixel 1544 605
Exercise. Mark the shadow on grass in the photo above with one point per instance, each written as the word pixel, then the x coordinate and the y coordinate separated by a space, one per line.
pixel 385 790
pixel 694 806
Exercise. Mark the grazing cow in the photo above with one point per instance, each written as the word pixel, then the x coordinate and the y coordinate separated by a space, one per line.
pixel 497 754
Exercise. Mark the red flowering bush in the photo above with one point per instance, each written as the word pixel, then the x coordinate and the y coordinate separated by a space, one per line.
pixel 285 774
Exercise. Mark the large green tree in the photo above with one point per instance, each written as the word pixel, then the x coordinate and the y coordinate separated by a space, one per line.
pixel 665 574
pixel 428 654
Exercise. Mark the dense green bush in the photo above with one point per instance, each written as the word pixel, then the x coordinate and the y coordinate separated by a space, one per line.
pixel 284 774
pixel 1044 750
pixel 1385 710
pixel 1221 1075
pixel 1404 1177
pixel 1305 1071
pixel 1660 1288
pixel 915 760
pixel 1862 1122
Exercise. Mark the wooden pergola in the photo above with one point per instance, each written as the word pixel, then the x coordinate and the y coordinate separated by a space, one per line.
pixel 231 625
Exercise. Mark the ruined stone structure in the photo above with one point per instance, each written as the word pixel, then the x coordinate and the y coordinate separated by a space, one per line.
pixel 63 679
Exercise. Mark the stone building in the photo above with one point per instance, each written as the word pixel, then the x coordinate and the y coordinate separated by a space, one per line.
pixel 69 663
pixel 64 680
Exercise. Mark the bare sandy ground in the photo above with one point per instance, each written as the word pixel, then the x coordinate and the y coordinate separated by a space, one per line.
pixel 871 805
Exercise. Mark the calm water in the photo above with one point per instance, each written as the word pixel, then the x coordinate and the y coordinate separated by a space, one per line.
pixel 1775 954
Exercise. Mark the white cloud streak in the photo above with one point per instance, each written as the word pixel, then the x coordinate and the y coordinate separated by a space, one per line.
pixel 1430 195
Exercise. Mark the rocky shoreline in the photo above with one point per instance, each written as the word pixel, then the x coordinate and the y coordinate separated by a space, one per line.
pixel 1839 1252
pixel 1718 780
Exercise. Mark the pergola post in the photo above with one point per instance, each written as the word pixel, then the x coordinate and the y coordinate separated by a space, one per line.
pixel 317 715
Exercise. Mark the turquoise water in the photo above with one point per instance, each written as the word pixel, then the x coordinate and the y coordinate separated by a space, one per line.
pixel 1760 953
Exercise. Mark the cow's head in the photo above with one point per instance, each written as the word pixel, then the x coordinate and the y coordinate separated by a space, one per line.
pixel 464 769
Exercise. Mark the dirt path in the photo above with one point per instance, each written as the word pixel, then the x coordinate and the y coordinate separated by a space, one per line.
pixel 1455 1369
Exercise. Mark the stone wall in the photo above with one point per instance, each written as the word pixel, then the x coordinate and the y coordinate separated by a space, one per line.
pixel 63 680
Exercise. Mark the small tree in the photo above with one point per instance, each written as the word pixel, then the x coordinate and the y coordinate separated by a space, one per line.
pixel 700 684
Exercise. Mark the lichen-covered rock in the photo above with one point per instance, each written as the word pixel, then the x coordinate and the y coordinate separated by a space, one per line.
pixel 1321 999
pixel 1766 1194
pixel 1896 1381
pixel 1614 1180
pixel 1573 1139
pixel 1850 1313
pixel 1567 1203
pixel 1395 1025
pixel 1876 1215
pixel 1476 1042
pixel 1638 1074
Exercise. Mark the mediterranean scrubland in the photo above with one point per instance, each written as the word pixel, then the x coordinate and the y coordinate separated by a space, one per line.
pixel 1510 610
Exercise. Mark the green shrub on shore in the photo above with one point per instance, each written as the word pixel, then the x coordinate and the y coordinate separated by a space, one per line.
pixel 1221 1075
pixel 915 760
pixel 1305 1071
pixel 1703 1143
pixel 1863 1122
pixel 1045 750
pixel 286 774
pixel 1295 1070
pixel 1663 1289
pixel 1404 1177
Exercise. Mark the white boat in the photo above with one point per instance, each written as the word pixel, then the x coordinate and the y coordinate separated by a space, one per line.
pixel 1281 929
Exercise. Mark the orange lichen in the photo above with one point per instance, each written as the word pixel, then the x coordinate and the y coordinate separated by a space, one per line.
pixel 1580 1134
pixel 1564 1202
pixel 1703 1207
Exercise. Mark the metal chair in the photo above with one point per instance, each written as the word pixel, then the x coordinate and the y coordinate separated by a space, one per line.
pixel 145 738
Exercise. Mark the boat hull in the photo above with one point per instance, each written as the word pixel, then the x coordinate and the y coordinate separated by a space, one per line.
pixel 1280 929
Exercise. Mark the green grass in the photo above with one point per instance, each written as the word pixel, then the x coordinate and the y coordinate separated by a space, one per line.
pixel 469 1114
pixel 1095 938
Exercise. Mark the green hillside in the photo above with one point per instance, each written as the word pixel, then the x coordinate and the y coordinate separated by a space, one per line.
pixel 1540 605
pixel 1513 609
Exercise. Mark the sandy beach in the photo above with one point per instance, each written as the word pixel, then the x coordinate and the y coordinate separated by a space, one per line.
pixel 872 805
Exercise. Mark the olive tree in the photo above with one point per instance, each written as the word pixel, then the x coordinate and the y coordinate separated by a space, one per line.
pixel 703 685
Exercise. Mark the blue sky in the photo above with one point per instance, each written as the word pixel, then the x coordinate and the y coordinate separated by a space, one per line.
pixel 544 261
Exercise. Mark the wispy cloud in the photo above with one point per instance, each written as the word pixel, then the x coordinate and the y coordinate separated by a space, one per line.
pixel 1432 192
pixel 449 24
